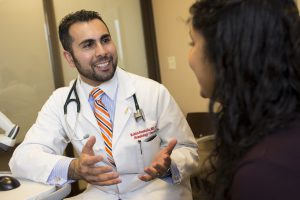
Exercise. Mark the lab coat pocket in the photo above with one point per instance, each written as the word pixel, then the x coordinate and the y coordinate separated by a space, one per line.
pixel 128 161
pixel 150 147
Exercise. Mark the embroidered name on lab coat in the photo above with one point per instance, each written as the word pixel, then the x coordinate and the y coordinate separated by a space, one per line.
pixel 143 133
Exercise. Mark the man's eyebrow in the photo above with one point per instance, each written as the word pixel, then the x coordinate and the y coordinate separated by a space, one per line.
pixel 86 41
pixel 105 36
pixel 92 40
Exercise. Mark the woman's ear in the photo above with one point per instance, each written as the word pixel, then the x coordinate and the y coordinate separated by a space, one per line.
pixel 68 56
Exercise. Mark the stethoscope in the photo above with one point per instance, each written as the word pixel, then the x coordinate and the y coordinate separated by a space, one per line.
pixel 138 115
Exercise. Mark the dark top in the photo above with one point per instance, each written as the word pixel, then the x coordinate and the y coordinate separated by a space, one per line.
pixel 271 169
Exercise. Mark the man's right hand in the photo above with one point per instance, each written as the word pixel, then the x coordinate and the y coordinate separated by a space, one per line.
pixel 84 167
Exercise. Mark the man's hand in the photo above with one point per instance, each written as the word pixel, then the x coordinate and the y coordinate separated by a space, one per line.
pixel 160 164
pixel 84 167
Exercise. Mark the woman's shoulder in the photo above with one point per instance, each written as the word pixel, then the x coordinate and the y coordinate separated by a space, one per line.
pixel 271 169
pixel 281 147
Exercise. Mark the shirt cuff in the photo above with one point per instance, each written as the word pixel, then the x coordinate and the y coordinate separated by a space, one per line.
pixel 174 176
pixel 59 174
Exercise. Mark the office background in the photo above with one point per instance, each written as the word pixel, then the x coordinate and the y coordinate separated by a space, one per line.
pixel 26 71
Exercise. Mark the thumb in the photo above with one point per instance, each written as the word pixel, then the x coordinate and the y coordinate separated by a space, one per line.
pixel 88 147
pixel 171 146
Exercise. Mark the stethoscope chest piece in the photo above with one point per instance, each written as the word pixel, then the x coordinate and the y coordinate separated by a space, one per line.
pixel 138 115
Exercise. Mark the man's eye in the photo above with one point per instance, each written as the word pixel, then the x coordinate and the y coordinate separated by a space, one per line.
pixel 88 45
pixel 106 40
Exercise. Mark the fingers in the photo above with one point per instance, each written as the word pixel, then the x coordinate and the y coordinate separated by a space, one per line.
pixel 87 167
pixel 88 147
pixel 153 172
pixel 104 179
pixel 95 171
pixel 171 146
pixel 108 182
pixel 146 177
pixel 87 160
pixel 102 175
pixel 160 169
pixel 160 164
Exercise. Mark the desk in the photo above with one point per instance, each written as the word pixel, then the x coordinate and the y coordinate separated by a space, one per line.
pixel 28 190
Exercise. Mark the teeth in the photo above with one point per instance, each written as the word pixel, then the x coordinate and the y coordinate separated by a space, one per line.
pixel 102 64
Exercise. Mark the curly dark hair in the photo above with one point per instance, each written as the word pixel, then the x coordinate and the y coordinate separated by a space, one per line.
pixel 254 47
pixel 70 19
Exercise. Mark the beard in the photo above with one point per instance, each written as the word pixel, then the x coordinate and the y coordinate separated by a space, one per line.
pixel 93 73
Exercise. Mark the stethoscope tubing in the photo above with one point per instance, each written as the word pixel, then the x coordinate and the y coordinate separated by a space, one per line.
pixel 69 99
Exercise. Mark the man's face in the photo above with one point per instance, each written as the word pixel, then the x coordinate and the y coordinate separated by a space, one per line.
pixel 93 52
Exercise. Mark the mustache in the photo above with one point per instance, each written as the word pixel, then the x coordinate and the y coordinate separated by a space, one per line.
pixel 101 59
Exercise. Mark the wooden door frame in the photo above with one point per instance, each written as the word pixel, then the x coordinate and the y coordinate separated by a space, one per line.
pixel 150 40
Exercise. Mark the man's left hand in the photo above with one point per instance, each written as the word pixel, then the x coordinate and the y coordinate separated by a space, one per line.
pixel 160 164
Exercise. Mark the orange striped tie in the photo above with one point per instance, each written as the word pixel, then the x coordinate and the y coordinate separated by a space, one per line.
pixel 104 122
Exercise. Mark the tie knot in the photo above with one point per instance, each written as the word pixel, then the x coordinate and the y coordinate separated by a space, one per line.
pixel 96 93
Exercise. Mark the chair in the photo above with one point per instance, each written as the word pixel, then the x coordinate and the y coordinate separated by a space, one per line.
pixel 200 123
pixel 205 145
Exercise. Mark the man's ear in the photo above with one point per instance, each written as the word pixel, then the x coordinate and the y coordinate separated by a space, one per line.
pixel 69 58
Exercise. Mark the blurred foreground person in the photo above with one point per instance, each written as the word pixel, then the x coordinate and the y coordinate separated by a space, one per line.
pixel 245 55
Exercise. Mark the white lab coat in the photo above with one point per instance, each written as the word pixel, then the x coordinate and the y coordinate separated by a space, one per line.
pixel 45 142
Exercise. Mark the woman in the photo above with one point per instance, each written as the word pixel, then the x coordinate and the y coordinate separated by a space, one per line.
pixel 245 54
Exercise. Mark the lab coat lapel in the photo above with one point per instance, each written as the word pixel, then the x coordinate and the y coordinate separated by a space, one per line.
pixel 123 104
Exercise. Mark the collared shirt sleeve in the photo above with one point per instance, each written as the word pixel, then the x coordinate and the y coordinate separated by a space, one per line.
pixel 59 174
pixel 174 176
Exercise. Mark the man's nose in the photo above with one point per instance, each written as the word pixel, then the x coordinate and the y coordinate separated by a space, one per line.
pixel 100 50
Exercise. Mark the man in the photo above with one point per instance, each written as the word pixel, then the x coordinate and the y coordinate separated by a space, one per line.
pixel 124 154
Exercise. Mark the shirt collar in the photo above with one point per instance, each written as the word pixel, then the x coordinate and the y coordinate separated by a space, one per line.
pixel 109 87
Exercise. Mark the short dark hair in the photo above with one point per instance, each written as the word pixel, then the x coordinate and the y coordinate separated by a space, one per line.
pixel 254 47
pixel 68 20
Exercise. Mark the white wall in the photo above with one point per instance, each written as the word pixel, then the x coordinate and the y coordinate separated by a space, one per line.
pixel 25 73
pixel 172 34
